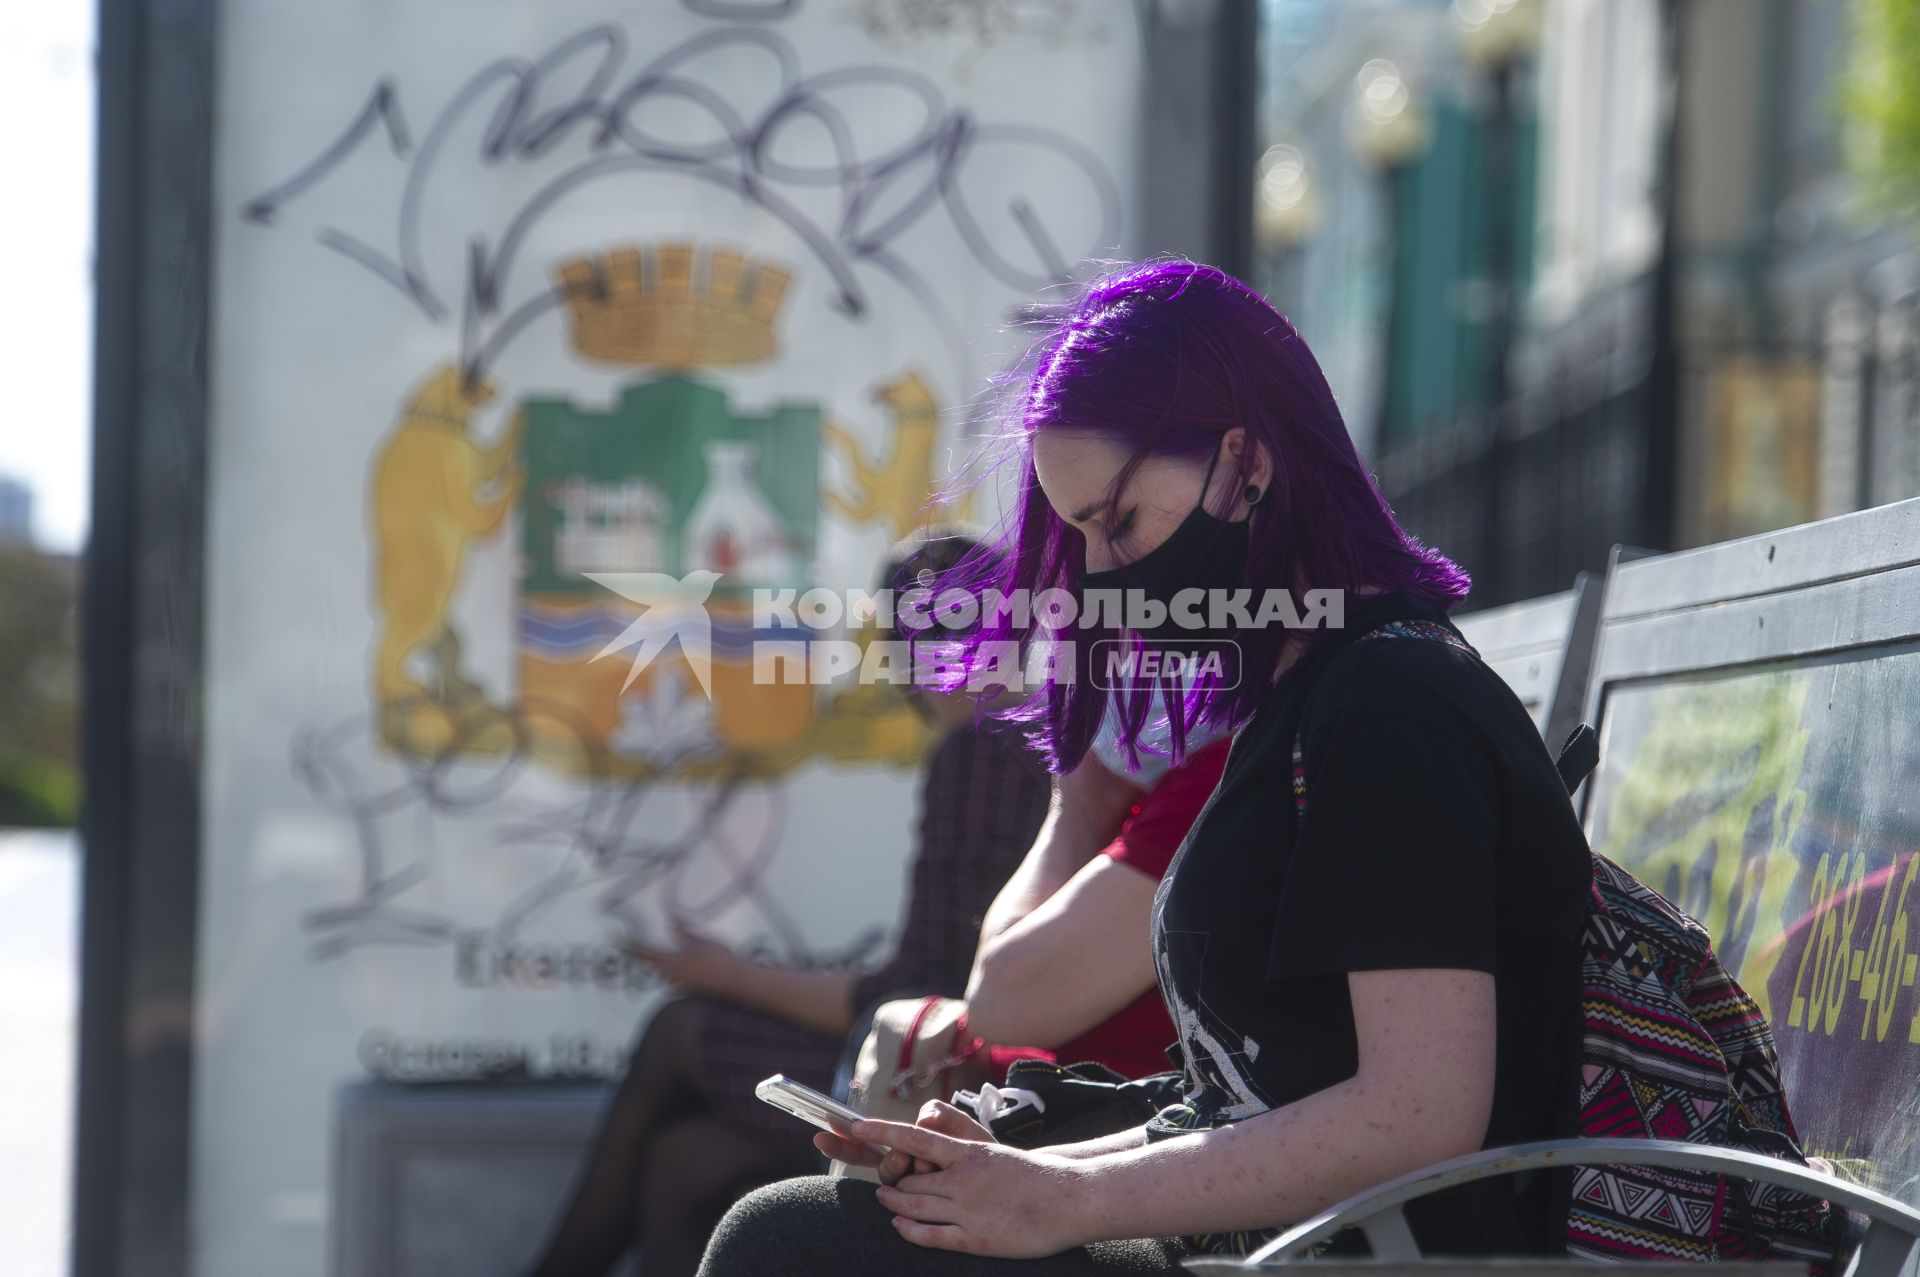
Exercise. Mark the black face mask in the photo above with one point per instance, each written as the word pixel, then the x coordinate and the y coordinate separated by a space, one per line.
pixel 1205 552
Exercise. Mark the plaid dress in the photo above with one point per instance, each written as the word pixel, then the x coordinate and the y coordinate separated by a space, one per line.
pixel 983 796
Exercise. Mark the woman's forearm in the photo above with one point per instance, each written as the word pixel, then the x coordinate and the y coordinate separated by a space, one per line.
pixel 1118 1142
pixel 1089 805
pixel 1059 850
pixel 818 1000
pixel 1075 961
pixel 1270 1170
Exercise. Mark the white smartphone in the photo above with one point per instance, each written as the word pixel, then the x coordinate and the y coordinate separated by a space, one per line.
pixel 809 1105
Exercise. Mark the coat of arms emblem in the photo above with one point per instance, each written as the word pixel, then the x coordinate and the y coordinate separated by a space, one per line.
pixel 672 483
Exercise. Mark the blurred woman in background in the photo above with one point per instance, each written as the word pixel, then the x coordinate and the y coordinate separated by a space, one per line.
pixel 1062 965
pixel 683 1135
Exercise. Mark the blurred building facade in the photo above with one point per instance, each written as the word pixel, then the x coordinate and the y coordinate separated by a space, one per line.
pixel 1585 272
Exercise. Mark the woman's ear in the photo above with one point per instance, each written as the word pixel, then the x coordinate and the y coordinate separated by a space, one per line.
pixel 1252 471
pixel 1261 470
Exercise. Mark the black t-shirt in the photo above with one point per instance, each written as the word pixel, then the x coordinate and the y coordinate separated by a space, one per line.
pixel 1437 834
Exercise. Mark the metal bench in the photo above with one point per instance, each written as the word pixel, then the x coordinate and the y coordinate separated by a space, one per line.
pixel 455 1178
pixel 1885 1246
pixel 1543 648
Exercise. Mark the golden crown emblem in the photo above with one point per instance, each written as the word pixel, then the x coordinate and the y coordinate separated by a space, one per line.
pixel 650 305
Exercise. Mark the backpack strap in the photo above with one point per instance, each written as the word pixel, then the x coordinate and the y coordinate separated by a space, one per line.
pixel 1579 755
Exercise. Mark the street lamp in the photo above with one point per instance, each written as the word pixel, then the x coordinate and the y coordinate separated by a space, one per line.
pixel 1496 36
pixel 1387 128
pixel 1497 31
pixel 1287 213
pixel 1287 210
pixel 1388 125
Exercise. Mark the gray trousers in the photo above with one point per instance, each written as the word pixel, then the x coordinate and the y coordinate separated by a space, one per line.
pixel 823 1227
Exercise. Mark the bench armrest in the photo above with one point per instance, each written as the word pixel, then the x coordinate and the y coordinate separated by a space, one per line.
pixel 1892 1230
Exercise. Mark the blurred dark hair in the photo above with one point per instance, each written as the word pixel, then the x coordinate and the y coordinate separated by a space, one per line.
pixel 926 556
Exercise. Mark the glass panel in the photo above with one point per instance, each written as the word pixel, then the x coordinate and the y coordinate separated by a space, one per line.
pixel 501 312
pixel 1777 806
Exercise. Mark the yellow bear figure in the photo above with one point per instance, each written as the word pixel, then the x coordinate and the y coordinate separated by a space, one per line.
pixel 896 490
pixel 435 491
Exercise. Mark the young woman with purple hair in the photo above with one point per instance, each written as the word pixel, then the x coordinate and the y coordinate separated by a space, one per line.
pixel 1363 987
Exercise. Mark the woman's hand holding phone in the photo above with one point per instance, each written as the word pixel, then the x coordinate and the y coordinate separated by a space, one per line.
pixel 935 1115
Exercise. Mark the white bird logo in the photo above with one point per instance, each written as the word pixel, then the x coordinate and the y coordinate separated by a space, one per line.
pixel 675 608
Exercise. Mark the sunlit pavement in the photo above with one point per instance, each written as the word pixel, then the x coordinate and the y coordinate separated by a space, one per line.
pixel 39 977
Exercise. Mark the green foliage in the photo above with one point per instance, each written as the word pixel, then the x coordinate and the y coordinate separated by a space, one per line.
pixel 38 792
pixel 39 684
pixel 1879 99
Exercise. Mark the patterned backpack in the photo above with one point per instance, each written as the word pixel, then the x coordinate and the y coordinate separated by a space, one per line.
pixel 1672 1048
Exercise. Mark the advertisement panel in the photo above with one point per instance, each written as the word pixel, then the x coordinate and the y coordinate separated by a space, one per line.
pixel 1774 803
pixel 542 333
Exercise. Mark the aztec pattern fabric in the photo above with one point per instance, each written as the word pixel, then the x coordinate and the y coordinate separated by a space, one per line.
pixel 1672 1048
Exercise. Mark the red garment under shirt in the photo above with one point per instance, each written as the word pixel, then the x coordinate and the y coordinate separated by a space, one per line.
pixel 1134 1040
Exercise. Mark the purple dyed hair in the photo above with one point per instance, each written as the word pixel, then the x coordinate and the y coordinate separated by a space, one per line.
pixel 1165 357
